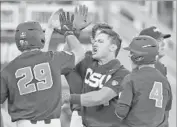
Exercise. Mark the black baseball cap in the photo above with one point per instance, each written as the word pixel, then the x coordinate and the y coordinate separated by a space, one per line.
pixel 154 32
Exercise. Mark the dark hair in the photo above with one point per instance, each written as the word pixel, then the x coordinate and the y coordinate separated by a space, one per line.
pixel 114 37
pixel 100 26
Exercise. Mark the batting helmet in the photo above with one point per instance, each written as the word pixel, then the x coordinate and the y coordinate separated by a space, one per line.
pixel 29 35
pixel 143 49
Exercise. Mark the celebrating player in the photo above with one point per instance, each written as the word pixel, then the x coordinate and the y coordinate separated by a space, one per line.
pixel 102 75
pixel 75 87
pixel 73 77
pixel 32 82
pixel 159 36
pixel 146 93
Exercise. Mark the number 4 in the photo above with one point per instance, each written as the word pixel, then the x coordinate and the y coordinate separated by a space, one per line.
pixel 157 94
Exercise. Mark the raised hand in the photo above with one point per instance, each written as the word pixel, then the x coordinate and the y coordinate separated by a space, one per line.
pixel 53 21
pixel 81 18
pixel 66 22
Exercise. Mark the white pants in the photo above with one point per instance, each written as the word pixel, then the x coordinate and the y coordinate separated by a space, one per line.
pixel 76 120
pixel 27 123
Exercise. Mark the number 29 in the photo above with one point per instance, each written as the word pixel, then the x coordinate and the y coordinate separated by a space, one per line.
pixel 42 73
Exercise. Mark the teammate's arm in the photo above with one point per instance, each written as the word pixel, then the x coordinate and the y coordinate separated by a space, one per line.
pixel 4 87
pixel 123 104
pixel 110 90
pixel 93 98
pixel 53 22
pixel 48 35
pixel 79 23
pixel 76 48
pixel 76 77
pixel 74 81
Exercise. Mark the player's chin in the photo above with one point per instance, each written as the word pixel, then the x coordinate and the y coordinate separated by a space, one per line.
pixel 95 56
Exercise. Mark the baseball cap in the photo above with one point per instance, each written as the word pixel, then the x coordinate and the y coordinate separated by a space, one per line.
pixel 143 44
pixel 154 32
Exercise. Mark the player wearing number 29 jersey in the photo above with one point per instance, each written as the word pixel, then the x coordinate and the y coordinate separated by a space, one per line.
pixel 31 82
pixel 146 93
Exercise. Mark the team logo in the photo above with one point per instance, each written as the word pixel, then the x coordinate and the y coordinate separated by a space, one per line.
pixel 94 79
pixel 114 82
pixel 23 43
pixel 23 35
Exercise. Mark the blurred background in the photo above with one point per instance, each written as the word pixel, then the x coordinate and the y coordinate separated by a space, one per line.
pixel 128 18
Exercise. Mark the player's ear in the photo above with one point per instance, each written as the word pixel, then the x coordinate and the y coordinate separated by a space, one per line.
pixel 113 47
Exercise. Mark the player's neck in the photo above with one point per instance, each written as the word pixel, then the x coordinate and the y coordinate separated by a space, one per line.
pixel 148 65
pixel 36 49
pixel 105 60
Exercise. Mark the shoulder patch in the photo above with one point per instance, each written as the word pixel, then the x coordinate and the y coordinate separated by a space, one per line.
pixel 114 82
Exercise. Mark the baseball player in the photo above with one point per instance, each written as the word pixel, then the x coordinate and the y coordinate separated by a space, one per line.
pixel 101 75
pixel 146 93
pixel 155 33
pixel 32 82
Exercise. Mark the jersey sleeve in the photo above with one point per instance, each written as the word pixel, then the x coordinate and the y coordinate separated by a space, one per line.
pixel 75 81
pixel 115 82
pixel 126 95
pixel 64 60
pixel 83 65
pixel 169 102
pixel 4 87
pixel 76 76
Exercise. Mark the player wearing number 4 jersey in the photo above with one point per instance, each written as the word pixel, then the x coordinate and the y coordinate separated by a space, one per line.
pixel 155 33
pixel 32 81
pixel 146 93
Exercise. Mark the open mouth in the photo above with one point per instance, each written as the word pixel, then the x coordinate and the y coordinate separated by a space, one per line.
pixel 94 50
